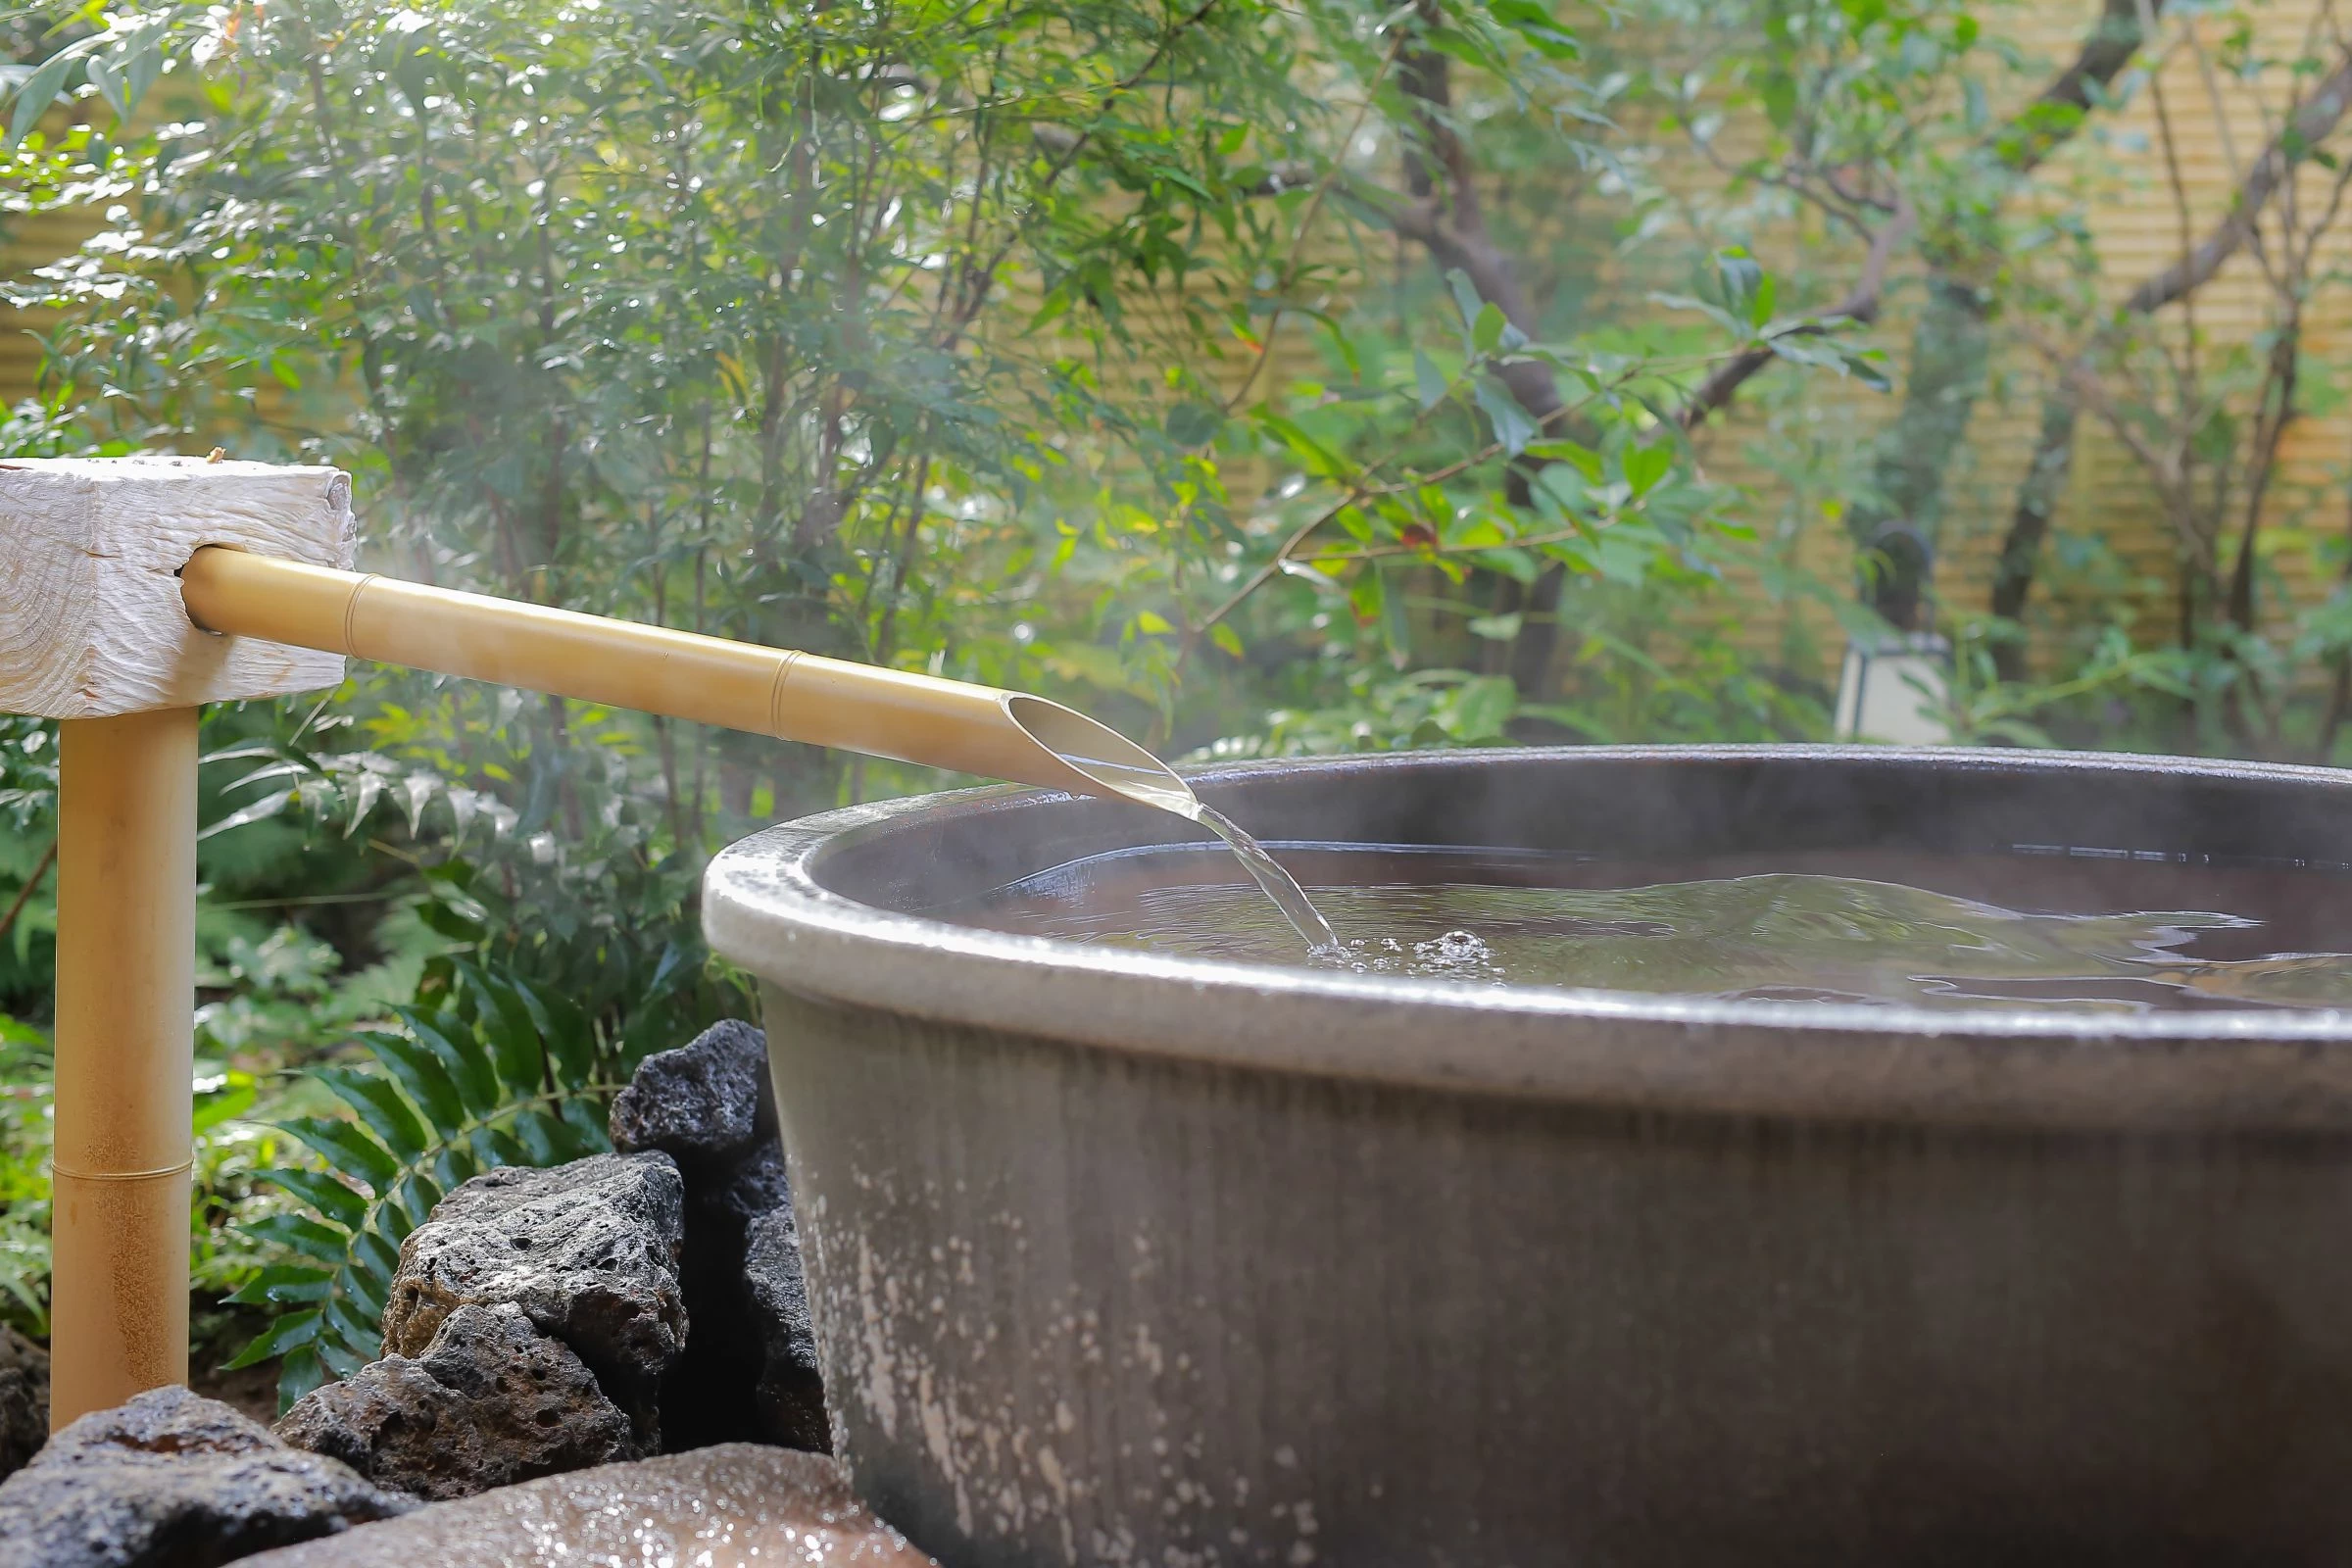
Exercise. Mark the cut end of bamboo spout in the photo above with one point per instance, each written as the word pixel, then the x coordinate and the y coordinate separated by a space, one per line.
pixel 1110 762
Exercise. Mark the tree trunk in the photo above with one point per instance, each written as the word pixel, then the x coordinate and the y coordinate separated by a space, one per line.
pixel 2037 496
pixel 1898 517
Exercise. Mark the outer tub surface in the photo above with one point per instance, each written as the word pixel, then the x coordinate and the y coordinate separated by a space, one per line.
pixel 1122 1259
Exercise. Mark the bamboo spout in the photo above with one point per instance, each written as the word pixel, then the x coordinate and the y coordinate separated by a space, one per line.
pixel 767 691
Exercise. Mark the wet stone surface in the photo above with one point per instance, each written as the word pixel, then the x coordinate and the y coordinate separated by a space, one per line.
pixel 173 1480
pixel 729 1506
pixel 588 1251
pixel 490 1402
pixel 23 1399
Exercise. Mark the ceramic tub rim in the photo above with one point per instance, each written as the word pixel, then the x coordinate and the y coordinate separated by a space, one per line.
pixel 765 909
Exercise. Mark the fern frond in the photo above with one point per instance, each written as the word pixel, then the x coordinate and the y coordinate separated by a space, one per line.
pixel 498 1074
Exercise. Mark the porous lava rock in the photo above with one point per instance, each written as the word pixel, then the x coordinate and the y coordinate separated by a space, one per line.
pixel 705 1103
pixel 490 1402
pixel 710 1106
pixel 173 1480
pixel 23 1399
pixel 735 1505
pixel 791 1393
pixel 588 1251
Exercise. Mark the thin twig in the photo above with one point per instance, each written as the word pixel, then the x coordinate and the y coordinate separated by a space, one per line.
pixel 1860 306
pixel 16 906
pixel 1306 220
pixel 983 277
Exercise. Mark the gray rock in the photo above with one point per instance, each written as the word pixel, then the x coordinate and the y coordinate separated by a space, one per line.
pixel 790 1395
pixel 176 1481
pixel 588 1250
pixel 23 1399
pixel 491 1402
pixel 710 1107
pixel 732 1506
pixel 703 1104
pixel 710 1395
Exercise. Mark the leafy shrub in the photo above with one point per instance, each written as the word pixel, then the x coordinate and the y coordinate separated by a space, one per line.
pixel 487 1069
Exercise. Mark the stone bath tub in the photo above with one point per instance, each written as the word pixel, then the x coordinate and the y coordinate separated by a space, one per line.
pixel 1118 1259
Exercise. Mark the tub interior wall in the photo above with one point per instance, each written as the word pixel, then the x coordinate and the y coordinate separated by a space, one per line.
pixel 1686 805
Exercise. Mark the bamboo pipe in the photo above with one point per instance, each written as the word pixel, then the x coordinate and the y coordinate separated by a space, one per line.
pixel 126 1008
pixel 767 691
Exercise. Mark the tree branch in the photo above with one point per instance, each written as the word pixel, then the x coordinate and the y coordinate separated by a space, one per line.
pixel 2318 117
pixel 1860 305
pixel 2044 124
pixel 40 869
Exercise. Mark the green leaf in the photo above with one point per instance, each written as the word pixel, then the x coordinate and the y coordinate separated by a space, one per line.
pixel 1538 25
pixel 283 1285
pixel 1487 327
pixel 542 1143
pixel 1482 708
pixel 341 1359
pixel 1227 638
pixel 420 1072
pixel 109 86
pixel 1645 467
pixel 303 1235
pixel 513 1037
pixel 1192 425
pixel 41 89
pixel 1583 459
pixel 1466 296
pixel 297 1375
pixel 380 1253
pixel 225 1103
pixel 443 920
pixel 565 1028
pixel 460 1054
pixel 380 1107
pixel 413 1204
pixel 350 1151
pixel 1428 386
pixel 348 1318
pixel 1513 429
pixel 292 1330
pixel 323 1193
pixel 589 1134
pixel 268 805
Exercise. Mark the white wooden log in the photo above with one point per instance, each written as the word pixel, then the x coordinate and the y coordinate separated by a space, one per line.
pixel 91 622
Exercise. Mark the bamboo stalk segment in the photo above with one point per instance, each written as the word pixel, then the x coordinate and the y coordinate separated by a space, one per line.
pixel 767 691
pixel 125 1012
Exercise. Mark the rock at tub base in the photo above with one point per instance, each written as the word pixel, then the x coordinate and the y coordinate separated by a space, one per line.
pixel 736 1506
pixel 703 1104
pixel 790 1395
pixel 746 1374
pixel 589 1252
pixel 492 1401
pixel 173 1480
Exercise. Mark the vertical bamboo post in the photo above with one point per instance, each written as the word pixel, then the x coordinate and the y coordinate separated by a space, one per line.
pixel 126 1008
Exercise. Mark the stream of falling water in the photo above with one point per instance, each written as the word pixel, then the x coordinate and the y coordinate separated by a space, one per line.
pixel 1142 778
pixel 1279 885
